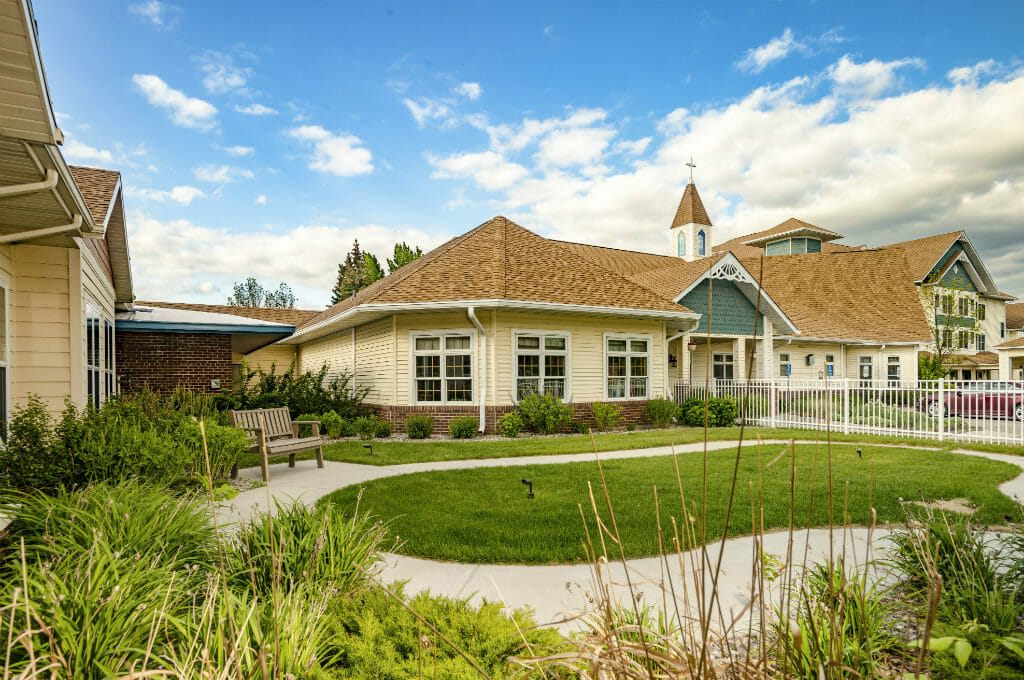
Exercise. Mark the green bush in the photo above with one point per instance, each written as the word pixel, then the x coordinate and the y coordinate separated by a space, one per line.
pixel 576 427
pixel 365 426
pixel 721 412
pixel 383 429
pixel 463 427
pixel 510 425
pixel 544 413
pixel 419 426
pixel 376 637
pixel 307 430
pixel 332 424
pixel 26 459
pixel 661 412
pixel 309 392
pixel 606 416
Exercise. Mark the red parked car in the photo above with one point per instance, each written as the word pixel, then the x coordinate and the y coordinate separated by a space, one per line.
pixel 979 399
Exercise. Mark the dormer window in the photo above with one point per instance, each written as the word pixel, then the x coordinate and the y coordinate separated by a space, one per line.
pixel 793 246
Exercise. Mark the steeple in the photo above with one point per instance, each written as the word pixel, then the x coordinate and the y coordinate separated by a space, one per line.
pixel 691 229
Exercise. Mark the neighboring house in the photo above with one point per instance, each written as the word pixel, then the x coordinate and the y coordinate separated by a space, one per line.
pixel 1011 352
pixel 490 316
pixel 64 264
pixel 170 345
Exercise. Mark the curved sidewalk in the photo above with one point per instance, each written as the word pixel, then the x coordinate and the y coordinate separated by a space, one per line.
pixel 551 590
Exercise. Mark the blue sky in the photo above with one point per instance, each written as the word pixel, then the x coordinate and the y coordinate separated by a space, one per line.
pixel 260 140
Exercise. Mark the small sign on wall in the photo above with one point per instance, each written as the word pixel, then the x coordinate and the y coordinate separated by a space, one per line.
pixel 215 384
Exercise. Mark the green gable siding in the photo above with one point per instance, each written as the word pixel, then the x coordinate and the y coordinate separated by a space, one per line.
pixel 731 311
pixel 957 281
pixel 954 251
pixel 777 248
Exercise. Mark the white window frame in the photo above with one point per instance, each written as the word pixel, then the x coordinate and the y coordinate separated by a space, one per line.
pixel 890 363
pixel 963 339
pixel 785 359
pixel 980 342
pixel 870 362
pixel 109 359
pixel 5 356
pixel 980 311
pixel 629 354
pixel 542 352
pixel 94 372
pixel 731 363
pixel 474 376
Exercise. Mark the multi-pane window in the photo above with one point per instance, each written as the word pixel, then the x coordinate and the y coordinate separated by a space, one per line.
pixel 963 339
pixel 947 304
pixel 893 369
pixel 980 342
pixel 785 367
pixel 722 366
pixel 981 311
pixel 93 354
pixel 947 338
pixel 541 362
pixel 965 306
pixel 3 362
pixel 443 368
pixel 108 358
pixel 628 361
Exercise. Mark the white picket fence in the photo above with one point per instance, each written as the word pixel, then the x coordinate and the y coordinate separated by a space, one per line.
pixel 990 411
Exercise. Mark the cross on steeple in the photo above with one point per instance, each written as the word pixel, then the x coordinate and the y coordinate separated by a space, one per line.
pixel 691 165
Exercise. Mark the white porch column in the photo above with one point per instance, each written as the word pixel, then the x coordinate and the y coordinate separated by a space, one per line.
pixel 685 357
pixel 768 349
pixel 1005 362
pixel 739 359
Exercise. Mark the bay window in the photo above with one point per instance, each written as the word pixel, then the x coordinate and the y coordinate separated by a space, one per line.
pixel 443 368
pixel 627 362
pixel 541 363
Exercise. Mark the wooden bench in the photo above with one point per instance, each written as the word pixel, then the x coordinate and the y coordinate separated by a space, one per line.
pixel 272 432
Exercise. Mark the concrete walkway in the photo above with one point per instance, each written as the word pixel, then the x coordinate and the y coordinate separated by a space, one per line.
pixel 553 590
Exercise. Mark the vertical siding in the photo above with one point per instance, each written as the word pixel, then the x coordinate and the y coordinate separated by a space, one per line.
pixel 40 352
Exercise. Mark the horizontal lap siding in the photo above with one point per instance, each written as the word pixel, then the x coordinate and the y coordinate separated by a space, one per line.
pixel 278 357
pixel 40 304
pixel 428 322
pixel 375 364
pixel 334 350
pixel 701 369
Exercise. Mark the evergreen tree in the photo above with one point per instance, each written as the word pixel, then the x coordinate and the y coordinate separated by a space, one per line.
pixel 250 293
pixel 348 275
pixel 370 270
pixel 403 256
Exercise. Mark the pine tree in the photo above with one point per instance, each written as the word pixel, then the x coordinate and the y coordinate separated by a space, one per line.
pixel 348 275
pixel 370 270
pixel 403 256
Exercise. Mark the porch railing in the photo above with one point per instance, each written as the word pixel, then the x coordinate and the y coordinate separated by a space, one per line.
pixel 989 411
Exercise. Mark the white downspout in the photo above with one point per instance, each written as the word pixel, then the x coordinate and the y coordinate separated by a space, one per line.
pixel 482 392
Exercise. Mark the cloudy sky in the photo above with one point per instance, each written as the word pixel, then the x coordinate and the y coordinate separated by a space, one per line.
pixel 261 138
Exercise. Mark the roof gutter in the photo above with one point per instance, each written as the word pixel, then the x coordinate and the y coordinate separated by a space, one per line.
pixel 482 398
pixel 74 225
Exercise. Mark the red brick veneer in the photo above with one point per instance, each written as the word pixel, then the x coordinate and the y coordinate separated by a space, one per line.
pixel 632 414
pixel 166 361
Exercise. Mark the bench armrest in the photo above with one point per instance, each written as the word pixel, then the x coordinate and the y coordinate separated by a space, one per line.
pixel 314 425
pixel 305 422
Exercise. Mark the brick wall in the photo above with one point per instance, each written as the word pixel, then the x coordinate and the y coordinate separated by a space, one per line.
pixel 632 414
pixel 166 361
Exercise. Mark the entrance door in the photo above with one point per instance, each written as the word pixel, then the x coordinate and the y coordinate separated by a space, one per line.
pixel 866 370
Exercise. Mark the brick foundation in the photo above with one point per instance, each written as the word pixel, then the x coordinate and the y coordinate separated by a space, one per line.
pixel 633 413
pixel 167 361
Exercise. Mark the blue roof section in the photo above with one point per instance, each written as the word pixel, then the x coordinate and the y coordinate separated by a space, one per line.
pixel 129 326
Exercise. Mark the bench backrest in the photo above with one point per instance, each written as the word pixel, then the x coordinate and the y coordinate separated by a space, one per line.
pixel 276 421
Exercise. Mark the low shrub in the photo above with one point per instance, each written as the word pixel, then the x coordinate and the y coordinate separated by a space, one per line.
pixel 606 416
pixel 365 426
pixel 383 429
pixel 721 412
pixel 307 430
pixel 510 425
pixel 332 424
pixel 463 427
pixel 376 637
pixel 419 426
pixel 309 392
pixel 576 427
pixel 661 412
pixel 544 413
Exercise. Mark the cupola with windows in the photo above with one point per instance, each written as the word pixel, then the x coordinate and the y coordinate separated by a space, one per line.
pixel 690 231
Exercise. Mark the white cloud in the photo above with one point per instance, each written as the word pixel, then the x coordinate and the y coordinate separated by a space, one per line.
pixel 182 260
pixel 80 152
pixel 182 195
pixel 868 79
pixel 574 146
pixel 156 13
pixel 426 109
pixel 876 165
pixel 338 154
pixel 239 150
pixel 261 199
pixel 488 169
pixel 967 75
pixel 220 73
pixel 221 174
pixel 759 58
pixel 185 111
pixel 632 147
pixel 470 91
pixel 256 110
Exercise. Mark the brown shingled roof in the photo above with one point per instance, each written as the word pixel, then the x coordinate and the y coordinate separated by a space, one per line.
pixel 292 317
pixel 673 279
pixel 1015 315
pixel 924 253
pixel 97 186
pixel 691 209
pixel 500 260
pixel 863 295
pixel 737 246
pixel 624 262
pixel 1009 344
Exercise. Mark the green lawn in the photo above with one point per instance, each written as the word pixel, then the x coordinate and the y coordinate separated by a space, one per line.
pixel 483 515
pixel 387 452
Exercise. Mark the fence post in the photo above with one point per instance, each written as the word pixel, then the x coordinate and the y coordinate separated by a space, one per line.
pixel 942 409
pixel 773 403
pixel 846 406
